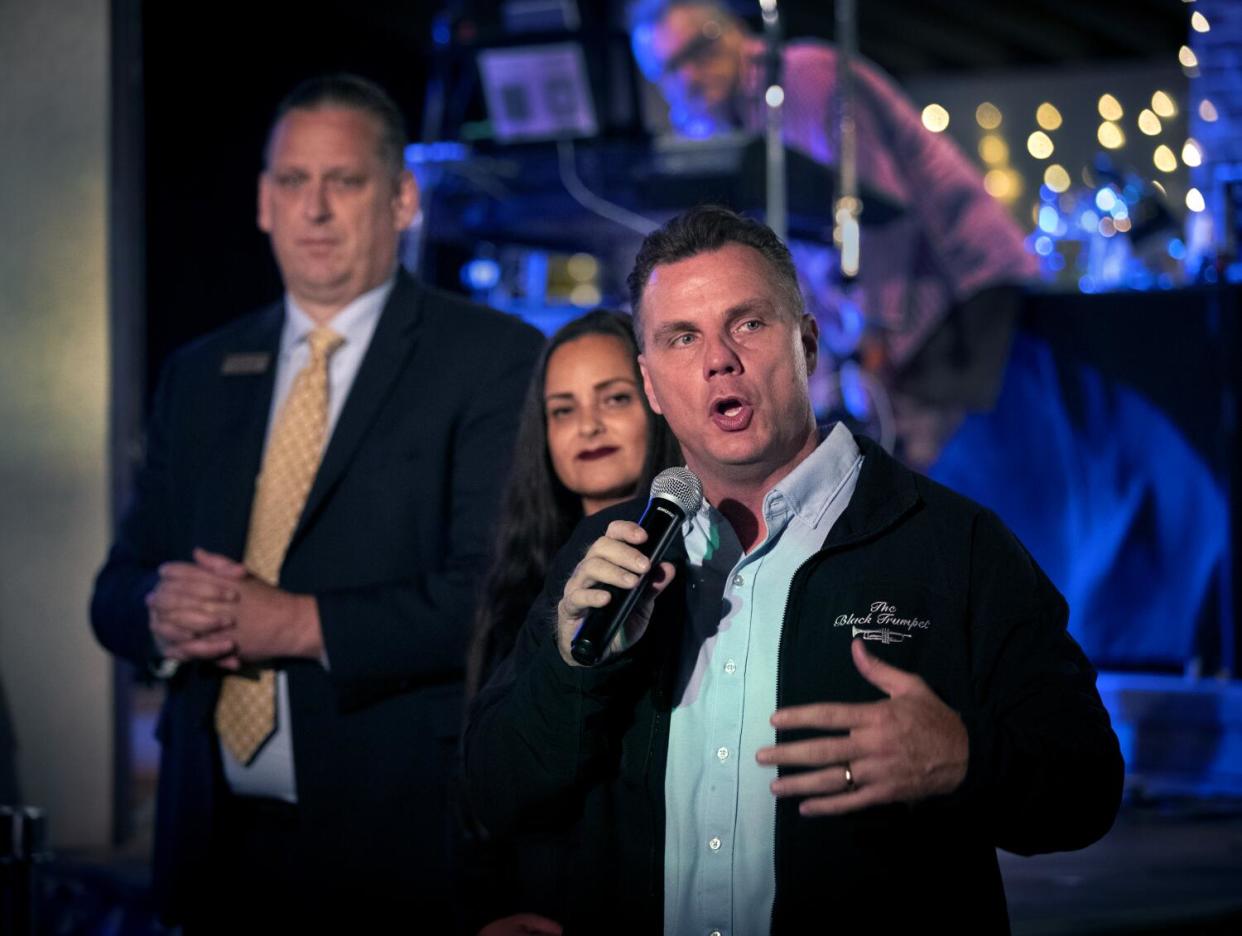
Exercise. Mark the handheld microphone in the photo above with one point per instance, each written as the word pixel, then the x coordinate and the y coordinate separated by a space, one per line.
pixel 675 495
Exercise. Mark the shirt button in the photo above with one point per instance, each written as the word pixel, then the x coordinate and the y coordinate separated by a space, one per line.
pixel 714 843
pixel 738 580
pixel 722 753
pixel 730 667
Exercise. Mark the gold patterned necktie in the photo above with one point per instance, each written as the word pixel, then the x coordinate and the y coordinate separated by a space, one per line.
pixel 246 711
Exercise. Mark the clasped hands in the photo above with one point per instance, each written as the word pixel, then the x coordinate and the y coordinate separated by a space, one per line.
pixel 905 748
pixel 213 609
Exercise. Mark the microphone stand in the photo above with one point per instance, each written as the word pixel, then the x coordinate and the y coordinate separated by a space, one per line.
pixel 846 211
pixel 773 98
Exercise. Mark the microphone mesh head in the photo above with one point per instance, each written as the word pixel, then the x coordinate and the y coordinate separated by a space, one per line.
pixel 680 485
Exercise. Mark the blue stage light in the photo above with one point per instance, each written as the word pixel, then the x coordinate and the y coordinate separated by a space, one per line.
pixel 480 274
pixel 417 154
pixel 441 34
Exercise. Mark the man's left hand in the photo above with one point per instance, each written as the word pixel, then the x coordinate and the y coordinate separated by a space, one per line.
pixel 906 748
pixel 270 622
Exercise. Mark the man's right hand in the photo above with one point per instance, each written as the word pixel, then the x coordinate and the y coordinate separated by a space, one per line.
pixel 611 560
pixel 191 613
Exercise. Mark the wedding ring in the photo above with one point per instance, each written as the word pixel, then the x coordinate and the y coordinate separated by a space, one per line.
pixel 849 779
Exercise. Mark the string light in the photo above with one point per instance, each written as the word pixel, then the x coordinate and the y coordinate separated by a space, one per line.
pixel 1207 110
pixel 988 115
pixel 1194 200
pixel 1056 178
pixel 1110 136
pixel 1039 145
pixel 1148 122
pixel 1164 159
pixel 1110 107
pixel 1003 184
pixel 1187 57
pixel 1199 22
pixel 1192 154
pixel 1047 116
pixel 993 150
pixel 935 118
pixel 1163 104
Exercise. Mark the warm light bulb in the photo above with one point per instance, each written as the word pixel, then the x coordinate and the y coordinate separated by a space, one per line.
pixel 1187 57
pixel 1194 200
pixel 1056 178
pixel 1207 110
pixel 1148 122
pixel 935 118
pixel 988 116
pixel 1039 145
pixel 993 149
pixel 1164 159
pixel 1047 116
pixel 1199 22
pixel 1110 107
pixel 1192 154
pixel 1110 136
pixel 1163 104
pixel 1003 184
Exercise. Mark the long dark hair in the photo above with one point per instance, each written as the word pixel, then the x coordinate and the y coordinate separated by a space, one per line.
pixel 538 512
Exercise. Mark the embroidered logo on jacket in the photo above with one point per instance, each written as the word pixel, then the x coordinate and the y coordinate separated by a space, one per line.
pixel 881 622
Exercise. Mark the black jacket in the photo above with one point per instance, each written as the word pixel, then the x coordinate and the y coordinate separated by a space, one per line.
pixel 549 744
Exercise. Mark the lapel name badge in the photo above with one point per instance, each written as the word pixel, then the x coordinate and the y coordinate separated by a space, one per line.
pixel 245 362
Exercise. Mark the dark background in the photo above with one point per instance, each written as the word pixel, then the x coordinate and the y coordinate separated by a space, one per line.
pixel 207 90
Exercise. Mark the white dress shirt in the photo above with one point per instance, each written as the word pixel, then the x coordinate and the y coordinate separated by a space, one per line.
pixel 271 772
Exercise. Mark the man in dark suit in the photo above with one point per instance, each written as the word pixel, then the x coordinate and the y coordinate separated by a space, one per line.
pixel 300 554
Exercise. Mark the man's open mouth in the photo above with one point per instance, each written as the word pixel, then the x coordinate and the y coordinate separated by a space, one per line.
pixel 731 413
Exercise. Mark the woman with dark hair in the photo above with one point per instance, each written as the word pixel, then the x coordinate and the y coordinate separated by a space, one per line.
pixel 587 439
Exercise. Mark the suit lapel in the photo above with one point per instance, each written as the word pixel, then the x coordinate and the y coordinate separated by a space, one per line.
pixel 247 398
pixel 394 338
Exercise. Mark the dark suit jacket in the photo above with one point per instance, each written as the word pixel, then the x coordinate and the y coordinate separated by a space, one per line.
pixel 394 533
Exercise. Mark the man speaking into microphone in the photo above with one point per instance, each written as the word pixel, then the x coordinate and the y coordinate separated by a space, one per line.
pixel 842 690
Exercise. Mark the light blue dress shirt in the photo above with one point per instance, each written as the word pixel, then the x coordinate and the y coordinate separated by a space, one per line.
pixel 271 771
pixel 720 825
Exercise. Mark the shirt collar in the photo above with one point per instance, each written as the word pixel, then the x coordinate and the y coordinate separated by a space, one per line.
pixel 816 481
pixel 806 492
pixel 355 323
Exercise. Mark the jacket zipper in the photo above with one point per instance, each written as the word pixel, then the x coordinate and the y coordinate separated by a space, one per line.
pixel 822 553
pixel 780 657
